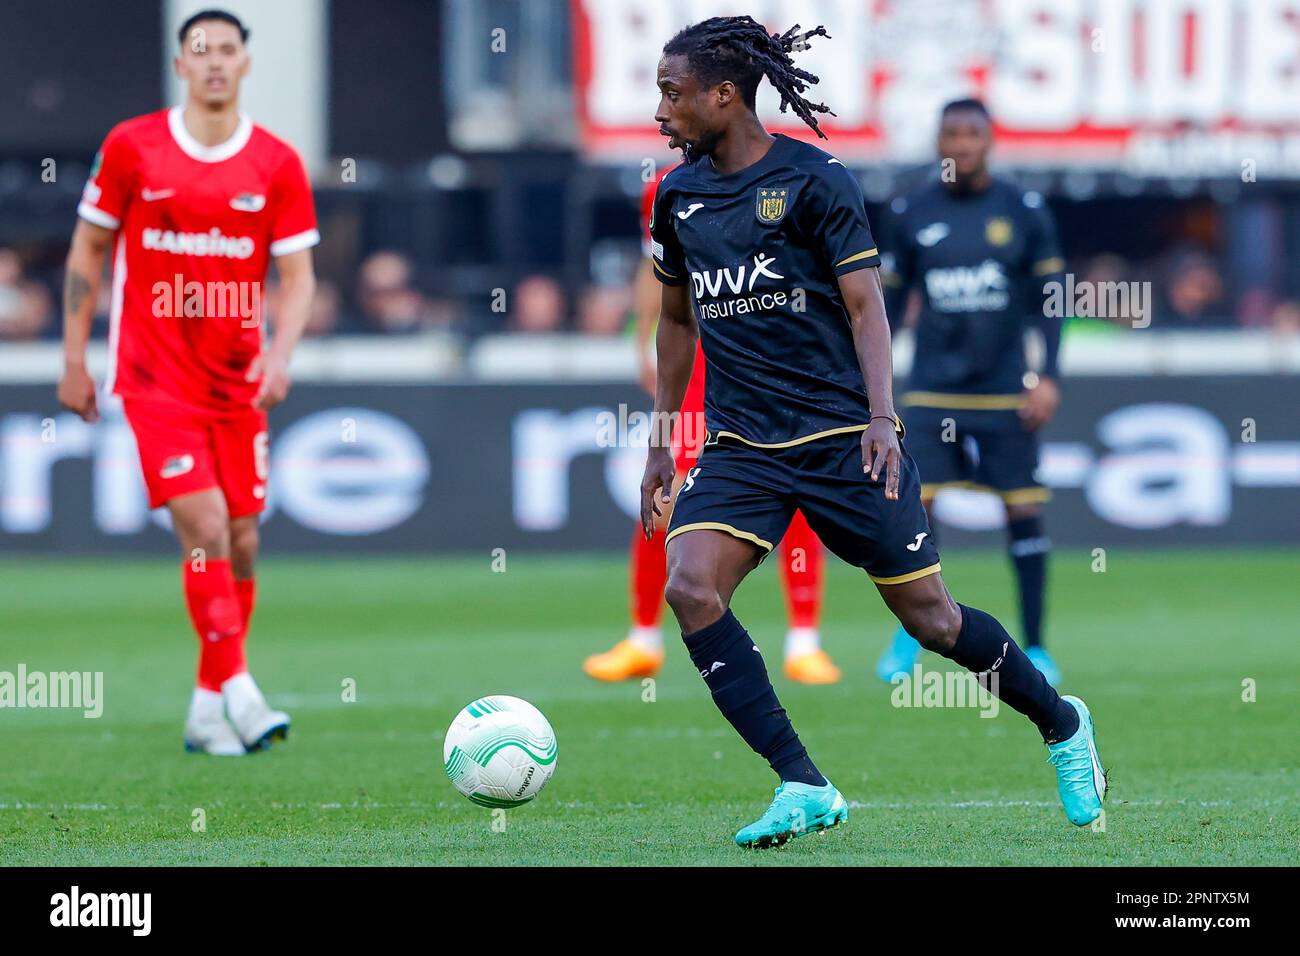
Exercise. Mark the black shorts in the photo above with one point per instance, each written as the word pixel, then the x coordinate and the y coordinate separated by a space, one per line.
pixel 752 493
pixel 982 449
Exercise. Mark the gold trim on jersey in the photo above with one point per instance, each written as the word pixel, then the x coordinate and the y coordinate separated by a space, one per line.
pixel 662 269
pixel 709 439
pixel 719 526
pixel 909 576
pixel 858 255
pixel 964 401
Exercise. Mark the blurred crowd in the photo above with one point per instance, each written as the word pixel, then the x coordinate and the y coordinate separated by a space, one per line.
pixel 386 295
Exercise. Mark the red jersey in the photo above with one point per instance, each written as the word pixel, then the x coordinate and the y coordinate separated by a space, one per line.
pixel 196 229
pixel 693 400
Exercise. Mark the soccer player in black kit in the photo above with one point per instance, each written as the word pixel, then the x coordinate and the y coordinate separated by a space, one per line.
pixel 980 251
pixel 769 237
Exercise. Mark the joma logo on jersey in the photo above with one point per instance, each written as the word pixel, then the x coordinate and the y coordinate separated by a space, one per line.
pixel 210 243
pixel 742 278
pixel 770 204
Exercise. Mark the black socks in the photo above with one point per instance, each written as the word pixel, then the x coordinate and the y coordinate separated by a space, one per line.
pixel 1028 547
pixel 985 645
pixel 731 665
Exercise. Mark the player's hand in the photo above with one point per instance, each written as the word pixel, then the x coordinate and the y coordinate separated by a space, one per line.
pixel 273 369
pixel 77 392
pixel 659 473
pixel 1040 404
pixel 882 454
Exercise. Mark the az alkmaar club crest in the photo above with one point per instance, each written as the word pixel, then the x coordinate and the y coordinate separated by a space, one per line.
pixel 770 204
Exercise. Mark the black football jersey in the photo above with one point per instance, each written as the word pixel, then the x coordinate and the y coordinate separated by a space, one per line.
pixel 762 250
pixel 980 261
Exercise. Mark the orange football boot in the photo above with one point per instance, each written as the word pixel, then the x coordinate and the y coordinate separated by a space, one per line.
pixel 815 667
pixel 624 661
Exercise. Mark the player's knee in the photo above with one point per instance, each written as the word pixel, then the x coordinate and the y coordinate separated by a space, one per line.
pixel 935 624
pixel 243 548
pixel 208 531
pixel 693 597
pixel 211 532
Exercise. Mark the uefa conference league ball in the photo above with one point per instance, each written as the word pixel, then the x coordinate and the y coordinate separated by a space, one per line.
pixel 500 751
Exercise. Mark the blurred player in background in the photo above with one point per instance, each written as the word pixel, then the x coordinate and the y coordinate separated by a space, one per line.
pixel 200 200
pixel 800 407
pixel 641 654
pixel 979 251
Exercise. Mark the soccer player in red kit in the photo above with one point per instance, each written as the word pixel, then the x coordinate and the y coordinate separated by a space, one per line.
pixel 195 201
pixel 641 653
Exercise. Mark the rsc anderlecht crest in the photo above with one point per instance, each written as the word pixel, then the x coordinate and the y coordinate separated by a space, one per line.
pixel 998 231
pixel 771 204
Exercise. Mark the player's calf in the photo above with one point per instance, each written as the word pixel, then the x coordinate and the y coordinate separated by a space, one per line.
pixel 930 615
pixel 244 541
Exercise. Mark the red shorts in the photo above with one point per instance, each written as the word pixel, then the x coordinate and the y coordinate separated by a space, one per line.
pixel 183 451
pixel 688 437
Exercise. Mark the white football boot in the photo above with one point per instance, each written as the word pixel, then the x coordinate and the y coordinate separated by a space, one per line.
pixel 255 722
pixel 206 729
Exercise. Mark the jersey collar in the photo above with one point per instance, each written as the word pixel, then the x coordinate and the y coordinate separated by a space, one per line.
pixel 774 155
pixel 192 148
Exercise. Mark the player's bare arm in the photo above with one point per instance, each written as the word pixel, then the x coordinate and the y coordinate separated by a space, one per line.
pixel 645 294
pixel 1043 396
pixel 675 350
pixel 80 291
pixel 297 286
pixel 865 302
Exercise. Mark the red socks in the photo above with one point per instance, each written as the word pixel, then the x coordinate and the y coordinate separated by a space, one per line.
pixel 219 620
pixel 649 567
pixel 801 570
pixel 246 591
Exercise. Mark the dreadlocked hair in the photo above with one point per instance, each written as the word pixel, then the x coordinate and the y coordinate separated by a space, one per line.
pixel 741 50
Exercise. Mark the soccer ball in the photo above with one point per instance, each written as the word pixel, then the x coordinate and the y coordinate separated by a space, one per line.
pixel 500 751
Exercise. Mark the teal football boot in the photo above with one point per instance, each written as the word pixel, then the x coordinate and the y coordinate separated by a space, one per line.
pixel 1043 661
pixel 1080 778
pixel 899 657
pixel 797 809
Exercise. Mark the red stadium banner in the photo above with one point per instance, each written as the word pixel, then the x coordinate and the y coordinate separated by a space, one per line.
pixel 1147 87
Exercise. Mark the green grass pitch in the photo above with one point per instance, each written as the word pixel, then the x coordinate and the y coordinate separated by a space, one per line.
pixel 1159 645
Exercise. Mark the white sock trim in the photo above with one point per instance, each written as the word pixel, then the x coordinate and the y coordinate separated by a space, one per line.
pixel 205 705
pixel 802 640
pixel 649 639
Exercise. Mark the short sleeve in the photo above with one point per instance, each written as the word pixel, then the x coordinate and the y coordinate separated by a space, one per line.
pixel 665 251
pixel 837 218
pixel 293 215
pixel 1042 250
pixel 647 211
pixel 898 261
pixel 112 177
